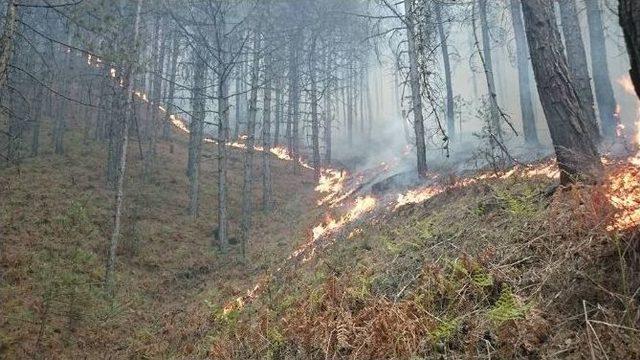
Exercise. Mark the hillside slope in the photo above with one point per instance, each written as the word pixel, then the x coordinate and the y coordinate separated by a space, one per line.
pixel 56 221
pixel 492 268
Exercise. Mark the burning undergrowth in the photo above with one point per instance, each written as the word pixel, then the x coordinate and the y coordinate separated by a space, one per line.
pixel 460 266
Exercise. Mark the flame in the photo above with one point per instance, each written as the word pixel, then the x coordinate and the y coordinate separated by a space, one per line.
pixel 331 182
pixel 417 196
pixel 624 195
pixel 362 206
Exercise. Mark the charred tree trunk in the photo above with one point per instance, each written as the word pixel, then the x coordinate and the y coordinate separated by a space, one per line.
pixel 577 62
pixel 522 54
pixel 600 66
pixel 576 153
pixel 629 11
pixel 416 95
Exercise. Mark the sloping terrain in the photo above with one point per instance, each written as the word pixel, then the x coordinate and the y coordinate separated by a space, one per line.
pixel 491 267
pixel 56 223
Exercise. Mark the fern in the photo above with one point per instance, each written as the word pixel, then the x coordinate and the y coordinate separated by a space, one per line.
pixel 445 330
pixel 482 279
pixel 507 307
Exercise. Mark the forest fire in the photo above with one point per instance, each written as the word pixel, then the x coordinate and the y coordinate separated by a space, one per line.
pixel 362 205
pixel 331 182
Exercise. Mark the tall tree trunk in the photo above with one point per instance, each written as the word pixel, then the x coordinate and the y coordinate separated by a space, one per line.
pixel 175 54
pixel 63 110
pixel 629 11
pixel 399 111
pixel 266 135
pixel 128 76
pixel 294 99
pixel 7 40
pixel 522 54
pixel 223 137
pixel 600 66
pixel 37 115
pixel 576 153
pixel 196 135
pixel 451 123
pixel 350 104
pixel 239 96
pixel 157 94
pixel 328 120
pixel 487 63
pixel 278 114
pixel 247 188
pixel 577 62
pixel 416 95
pixel 315 122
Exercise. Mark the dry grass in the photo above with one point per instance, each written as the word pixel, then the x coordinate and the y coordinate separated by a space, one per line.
pixel 55 216
pixel 495 270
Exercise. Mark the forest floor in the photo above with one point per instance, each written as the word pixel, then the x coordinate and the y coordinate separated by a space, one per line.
pixel 494 269
pixel 56 221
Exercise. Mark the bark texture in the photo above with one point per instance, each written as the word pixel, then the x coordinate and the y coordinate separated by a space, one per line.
pixel 576 153
pixel 629 11
pixel 577 61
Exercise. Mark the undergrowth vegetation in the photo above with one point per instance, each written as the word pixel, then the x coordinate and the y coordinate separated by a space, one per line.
pixel 495 270
pixel 55 217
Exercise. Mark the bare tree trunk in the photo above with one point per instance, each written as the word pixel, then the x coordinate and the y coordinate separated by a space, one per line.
pixel 315 122
pixel 63 110
pixel 223 137
pixel 239 96
pixel 7 40
pixel 294 100
pixel 416 95
pixel 156 95
pixel 266 136
pixel 175 53
pixel 451 123
pixel 128 75
pixel 247 188
pixel 400 113
pixel 278 114
pixel 600 66
pixel 522 54
pixel 37 115
pixel 629 11
pixel 576 153
pixel 328 123
pixel 577 62
pixel 487 63
pixel 196 134
pixel 350 105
